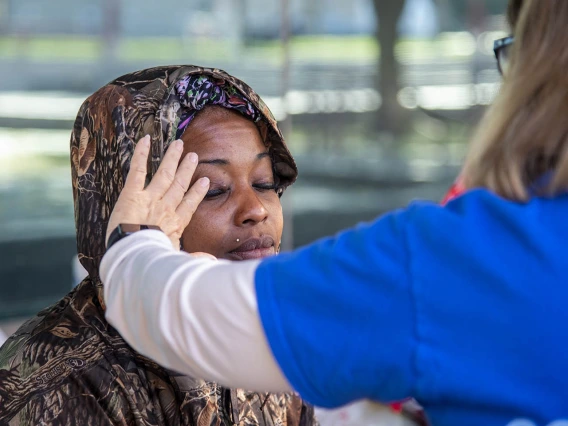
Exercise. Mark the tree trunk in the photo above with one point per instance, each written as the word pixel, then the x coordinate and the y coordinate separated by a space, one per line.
pixel 111 27
pixel 476 16
pixel 392 114
pixel 5 17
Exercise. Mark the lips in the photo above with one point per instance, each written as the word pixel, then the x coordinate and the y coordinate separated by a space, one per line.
pixel 254 248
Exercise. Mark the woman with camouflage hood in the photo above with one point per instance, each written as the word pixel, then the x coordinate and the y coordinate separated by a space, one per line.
pixel 68 365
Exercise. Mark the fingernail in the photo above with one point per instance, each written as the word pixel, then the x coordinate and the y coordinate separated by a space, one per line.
pixel 179 145
pixel 146 140
pixel 192 157
pixel 204 182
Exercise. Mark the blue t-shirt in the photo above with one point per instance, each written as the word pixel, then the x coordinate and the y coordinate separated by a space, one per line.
pixel 464 307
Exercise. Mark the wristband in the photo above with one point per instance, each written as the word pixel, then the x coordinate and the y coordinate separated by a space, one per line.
pixel 124 230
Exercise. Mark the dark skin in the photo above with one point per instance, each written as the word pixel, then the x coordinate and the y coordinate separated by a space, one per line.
pixel 241 216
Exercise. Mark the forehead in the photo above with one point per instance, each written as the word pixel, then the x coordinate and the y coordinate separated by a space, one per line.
pixel 222 131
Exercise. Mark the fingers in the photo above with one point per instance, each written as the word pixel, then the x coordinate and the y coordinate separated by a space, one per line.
pixel 182 179
pixel 191 200
pixel 137 175
pixel 165 175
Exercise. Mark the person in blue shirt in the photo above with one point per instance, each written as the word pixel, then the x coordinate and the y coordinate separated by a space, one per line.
pixel 461 306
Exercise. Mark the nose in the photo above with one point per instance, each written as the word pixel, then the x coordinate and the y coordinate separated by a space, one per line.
pixel 250 209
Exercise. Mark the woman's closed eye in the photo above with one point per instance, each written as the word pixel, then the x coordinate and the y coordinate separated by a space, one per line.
pixel 215 192
pixel 266 186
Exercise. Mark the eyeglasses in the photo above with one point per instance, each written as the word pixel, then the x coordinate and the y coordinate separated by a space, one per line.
pixel 501 48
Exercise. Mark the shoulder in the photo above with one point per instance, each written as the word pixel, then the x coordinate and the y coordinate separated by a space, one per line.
pixel 62 328
pixel 49 349
pixel 471 221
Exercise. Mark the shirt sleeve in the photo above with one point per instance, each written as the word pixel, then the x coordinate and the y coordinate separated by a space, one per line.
pixel 193 315
pixel 339 315
pixel 333 321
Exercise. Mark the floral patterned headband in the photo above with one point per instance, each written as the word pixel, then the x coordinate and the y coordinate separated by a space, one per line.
pixel 197 91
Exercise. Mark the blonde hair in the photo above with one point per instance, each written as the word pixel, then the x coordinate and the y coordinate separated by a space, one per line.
pixel 523 137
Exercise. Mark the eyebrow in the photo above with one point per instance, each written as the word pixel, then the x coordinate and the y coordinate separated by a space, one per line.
pixel 223 162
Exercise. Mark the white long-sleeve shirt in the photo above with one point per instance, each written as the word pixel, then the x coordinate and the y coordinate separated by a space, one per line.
pixel 202 320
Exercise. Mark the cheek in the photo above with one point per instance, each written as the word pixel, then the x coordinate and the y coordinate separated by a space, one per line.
pixel 205 231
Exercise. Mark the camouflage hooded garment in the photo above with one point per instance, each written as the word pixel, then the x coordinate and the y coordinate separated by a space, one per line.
pixel 68 366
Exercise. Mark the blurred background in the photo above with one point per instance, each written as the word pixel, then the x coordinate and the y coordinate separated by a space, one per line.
pixel 377 99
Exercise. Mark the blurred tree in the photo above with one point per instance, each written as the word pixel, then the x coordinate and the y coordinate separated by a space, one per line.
pixel 392 115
